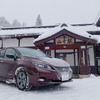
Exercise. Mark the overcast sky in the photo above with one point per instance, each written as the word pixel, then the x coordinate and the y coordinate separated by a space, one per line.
pixel 51 11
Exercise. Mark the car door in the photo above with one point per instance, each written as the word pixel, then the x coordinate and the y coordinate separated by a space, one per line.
pixel 8 65
pixel 1 61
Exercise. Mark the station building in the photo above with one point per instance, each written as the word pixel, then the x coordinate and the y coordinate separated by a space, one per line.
pixel 78 44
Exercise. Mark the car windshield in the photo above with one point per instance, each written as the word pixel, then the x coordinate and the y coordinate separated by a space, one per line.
pixel 32 52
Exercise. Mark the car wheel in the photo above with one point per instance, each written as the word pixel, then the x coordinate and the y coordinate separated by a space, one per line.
pixel 22 80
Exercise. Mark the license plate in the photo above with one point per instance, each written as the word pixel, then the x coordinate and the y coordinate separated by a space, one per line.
pixel 65 76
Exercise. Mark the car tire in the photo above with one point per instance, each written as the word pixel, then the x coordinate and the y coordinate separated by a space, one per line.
pixel 22 80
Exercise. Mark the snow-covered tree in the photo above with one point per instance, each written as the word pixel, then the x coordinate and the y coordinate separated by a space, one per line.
pixel 24 24
pixel 38 21
pixel 4 22
pixel 16 23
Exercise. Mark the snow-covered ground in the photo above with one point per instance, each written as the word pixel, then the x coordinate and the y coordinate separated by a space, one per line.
pixel 79 89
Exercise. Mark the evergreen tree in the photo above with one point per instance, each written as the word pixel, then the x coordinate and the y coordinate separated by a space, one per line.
pixel 24 24
pixel 4 22
pixel 16 23
pixel 38 21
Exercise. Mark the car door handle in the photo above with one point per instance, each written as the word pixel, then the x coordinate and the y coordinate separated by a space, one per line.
pixel 2 61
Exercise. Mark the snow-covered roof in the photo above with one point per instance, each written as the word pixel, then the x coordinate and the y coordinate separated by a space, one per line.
pixel 88 28
pixel 16 32
pixel 96 37
pixel 45 32
pixel 55 30
pixel 91 28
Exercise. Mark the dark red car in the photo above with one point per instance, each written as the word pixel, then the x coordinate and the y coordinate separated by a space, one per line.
pixel 30 67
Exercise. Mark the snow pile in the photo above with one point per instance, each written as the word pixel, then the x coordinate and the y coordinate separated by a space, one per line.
pixel 92 76
pixel 79 89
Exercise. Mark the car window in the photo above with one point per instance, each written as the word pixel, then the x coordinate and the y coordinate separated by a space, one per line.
pixel 2 53
pixel 11 51
pixel 31 52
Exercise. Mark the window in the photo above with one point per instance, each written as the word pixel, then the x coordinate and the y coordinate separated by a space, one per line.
pixel 31 52
pixel 11 51
pixel 83 57
pixel 91 56
pixel 2 53
pixel 70 59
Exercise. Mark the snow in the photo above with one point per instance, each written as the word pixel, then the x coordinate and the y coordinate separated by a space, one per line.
pixel 56 62
pixel 15 32
pixel 55 30
pixel 88 28
pixel 48 32
pixel 79 89
pixel 78 30
pixel 96 37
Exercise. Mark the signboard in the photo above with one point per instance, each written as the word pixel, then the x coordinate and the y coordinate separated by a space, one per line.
pixel 61 41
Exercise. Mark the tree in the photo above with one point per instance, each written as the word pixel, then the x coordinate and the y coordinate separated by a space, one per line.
pixel 16 23
pixel 38 21
pixel 24 24
pixel 4 22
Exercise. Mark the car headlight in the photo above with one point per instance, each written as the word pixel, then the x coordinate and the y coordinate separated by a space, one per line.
pixel 41 65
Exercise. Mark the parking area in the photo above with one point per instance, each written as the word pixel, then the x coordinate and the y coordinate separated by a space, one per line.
pixel 79 89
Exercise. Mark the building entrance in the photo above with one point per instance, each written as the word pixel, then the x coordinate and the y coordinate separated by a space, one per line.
pixel 71 56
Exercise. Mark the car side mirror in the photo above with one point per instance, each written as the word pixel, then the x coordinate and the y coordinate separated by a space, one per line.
pixel 12 56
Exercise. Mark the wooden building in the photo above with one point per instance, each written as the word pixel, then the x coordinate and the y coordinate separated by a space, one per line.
pixel 78 44
pixel 71 45
pixel 17 37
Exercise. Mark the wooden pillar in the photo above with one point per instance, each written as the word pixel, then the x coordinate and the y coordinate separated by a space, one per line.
pixel 79 61
pixel 87 59
pixel 74 58
pixel 1 43
pixel 18 42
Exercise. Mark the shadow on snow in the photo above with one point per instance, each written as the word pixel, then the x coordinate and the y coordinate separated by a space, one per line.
pixel 50 88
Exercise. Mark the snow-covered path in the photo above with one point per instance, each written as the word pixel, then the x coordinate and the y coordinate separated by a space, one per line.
pixel 79 89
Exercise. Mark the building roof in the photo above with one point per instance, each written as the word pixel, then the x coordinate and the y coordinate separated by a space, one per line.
pixel 76 29
pixel 24 31
pixel 44 32
pixel 67 27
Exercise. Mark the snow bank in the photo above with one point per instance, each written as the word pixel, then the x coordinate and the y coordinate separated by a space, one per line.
pixel 92 76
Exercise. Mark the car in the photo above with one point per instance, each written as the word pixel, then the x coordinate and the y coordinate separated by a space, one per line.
pixel 28 67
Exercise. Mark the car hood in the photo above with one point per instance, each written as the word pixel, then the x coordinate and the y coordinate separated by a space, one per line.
pixel 55 62
pixel 51 61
